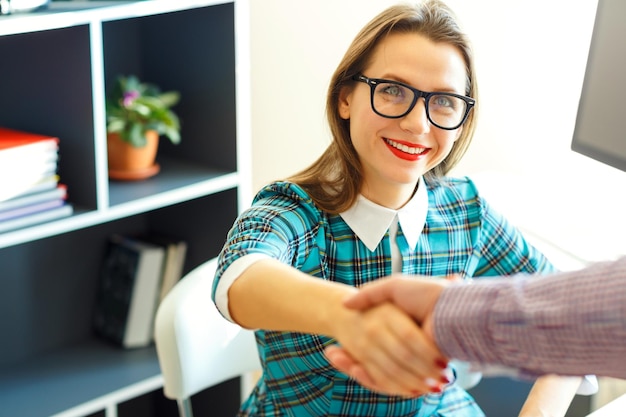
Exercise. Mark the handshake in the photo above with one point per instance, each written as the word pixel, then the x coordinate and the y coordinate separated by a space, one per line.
pixel 519 327
pixel 406 359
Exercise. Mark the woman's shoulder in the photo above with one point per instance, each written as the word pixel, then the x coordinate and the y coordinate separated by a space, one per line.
pixel 283 190
pixel 449 189
pixel 285 196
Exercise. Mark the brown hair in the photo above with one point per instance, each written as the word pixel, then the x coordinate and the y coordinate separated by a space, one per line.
pixel 334 180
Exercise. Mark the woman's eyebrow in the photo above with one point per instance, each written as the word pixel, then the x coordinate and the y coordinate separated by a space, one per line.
pixel 446 89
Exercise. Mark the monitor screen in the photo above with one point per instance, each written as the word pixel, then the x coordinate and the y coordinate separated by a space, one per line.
pixel 600 130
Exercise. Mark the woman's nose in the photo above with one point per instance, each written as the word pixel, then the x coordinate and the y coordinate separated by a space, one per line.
pixel 416 120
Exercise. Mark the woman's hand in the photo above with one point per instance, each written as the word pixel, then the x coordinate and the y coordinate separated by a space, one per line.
pixel 384 348
pixel 380 345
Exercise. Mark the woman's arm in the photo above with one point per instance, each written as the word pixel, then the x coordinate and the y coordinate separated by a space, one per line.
pixel 550 396
pixel 274 296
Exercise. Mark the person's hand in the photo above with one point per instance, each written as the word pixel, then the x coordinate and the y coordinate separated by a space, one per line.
pixel 417 297
pixel 385 350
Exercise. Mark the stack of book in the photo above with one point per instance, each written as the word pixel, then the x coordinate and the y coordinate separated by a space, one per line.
pixel 136 275
pixel 30 191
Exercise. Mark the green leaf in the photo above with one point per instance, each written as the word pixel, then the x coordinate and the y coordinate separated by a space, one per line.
pixel 173 135
pixel 136 136
pixel 116 125
pixel 130 83
pixel 170 98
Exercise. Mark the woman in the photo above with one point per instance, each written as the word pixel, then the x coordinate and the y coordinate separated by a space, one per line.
pixel 376 202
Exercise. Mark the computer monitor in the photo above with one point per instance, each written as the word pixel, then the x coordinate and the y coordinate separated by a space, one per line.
pixel 600 131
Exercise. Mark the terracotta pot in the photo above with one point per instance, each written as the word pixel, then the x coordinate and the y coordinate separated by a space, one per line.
pixel 128 162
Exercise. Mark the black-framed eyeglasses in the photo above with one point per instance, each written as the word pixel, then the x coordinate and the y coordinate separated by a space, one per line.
pixel 393 100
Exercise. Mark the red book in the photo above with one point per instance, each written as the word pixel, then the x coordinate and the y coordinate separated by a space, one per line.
pixel 25 159
pixel 16 141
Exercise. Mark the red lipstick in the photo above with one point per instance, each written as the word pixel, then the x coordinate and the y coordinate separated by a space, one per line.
pixel 408 151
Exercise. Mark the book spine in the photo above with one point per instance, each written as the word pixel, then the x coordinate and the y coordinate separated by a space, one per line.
pixel 128 294
pixel 64 210
pixel 58 193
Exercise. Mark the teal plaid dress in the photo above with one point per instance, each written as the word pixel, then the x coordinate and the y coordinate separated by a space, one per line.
pixel 462 235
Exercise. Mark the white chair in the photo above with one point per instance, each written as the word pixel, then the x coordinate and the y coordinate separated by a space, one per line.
pixel 197 348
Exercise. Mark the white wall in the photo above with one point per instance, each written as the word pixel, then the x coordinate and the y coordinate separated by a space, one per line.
pixel 531 58
pixel 295 47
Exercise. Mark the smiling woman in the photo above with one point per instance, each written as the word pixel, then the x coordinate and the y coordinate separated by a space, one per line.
pixel 517 142
pixel 377 202
pixel 388 113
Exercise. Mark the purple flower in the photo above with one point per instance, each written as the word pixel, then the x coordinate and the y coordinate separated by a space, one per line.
pixel 129 97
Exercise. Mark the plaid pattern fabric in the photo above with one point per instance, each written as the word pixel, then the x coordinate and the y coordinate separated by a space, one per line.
pixel 462 235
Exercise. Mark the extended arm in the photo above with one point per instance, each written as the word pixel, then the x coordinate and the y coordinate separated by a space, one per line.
pixel 571 323
pixel 550 395
pixel 275 296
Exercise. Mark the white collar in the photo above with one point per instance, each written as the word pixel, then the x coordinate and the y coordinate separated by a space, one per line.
pixel 370 221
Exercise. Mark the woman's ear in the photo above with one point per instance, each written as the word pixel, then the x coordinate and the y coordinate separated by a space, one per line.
pixel 345 98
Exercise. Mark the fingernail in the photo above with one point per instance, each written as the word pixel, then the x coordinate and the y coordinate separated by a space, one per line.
pixel 441 363
pixel 433 385
pixel 447 374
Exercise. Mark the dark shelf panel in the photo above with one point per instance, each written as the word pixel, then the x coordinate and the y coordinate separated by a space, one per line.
pixel 175 174
pixel 60 380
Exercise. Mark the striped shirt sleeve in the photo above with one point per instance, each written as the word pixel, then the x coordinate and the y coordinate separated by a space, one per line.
pixel 571 323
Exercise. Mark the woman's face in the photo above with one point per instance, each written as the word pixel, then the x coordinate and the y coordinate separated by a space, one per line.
pixel 389 171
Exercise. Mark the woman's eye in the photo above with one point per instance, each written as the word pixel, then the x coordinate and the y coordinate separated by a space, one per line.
pixel 393 90
pixel 443 101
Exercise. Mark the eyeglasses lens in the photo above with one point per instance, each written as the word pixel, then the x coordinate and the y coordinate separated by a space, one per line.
pixel 396 100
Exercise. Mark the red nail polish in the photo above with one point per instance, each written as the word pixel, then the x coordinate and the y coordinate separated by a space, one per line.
pixel 441 363
pixel 435 390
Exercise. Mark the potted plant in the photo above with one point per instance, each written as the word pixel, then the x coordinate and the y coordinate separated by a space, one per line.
pixel 138 114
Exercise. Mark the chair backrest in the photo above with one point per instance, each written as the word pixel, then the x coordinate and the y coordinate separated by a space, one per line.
pixel 197 347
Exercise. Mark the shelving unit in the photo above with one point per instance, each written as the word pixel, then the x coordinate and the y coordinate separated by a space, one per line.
pixel 56 66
